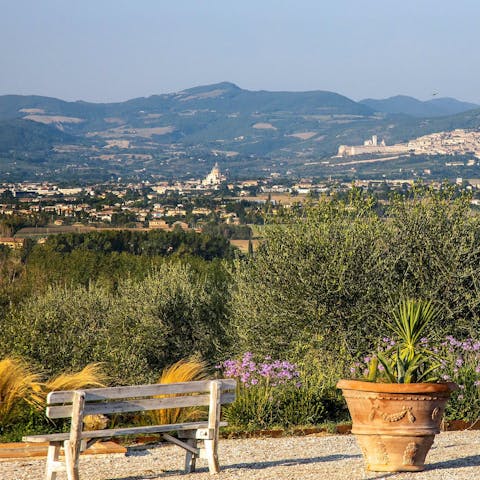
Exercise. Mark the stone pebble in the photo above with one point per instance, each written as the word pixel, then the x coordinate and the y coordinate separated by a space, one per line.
pixel 454 456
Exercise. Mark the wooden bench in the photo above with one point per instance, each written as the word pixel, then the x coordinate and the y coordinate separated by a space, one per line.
pixel 79 403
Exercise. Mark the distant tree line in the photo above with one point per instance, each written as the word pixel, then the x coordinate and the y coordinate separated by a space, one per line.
pixel 154 242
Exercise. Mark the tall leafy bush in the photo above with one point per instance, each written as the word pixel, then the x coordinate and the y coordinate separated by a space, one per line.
pixel 330 272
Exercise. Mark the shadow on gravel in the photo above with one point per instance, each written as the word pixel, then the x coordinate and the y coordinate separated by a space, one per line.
pixel 249 466
pixel 472 461
pixel 289 462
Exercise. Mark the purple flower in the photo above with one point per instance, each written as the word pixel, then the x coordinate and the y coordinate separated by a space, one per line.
pixel 250 373
pixel 459 362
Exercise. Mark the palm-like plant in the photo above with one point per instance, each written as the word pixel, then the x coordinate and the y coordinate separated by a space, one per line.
pixel 411 361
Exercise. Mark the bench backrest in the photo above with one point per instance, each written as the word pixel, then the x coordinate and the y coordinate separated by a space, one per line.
pixel 141 397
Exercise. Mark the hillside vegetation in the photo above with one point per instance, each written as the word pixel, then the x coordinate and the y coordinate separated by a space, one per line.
pixel 251 132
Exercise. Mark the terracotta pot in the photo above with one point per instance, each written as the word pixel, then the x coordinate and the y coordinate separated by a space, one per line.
pixel 395 423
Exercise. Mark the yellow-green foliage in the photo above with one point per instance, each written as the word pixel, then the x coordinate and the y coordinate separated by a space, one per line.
pixel 182 371
pixel 17 383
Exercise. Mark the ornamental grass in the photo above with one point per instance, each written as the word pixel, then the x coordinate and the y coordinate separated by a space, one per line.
pixel 91 376
pixel 182 371
pixel 18 385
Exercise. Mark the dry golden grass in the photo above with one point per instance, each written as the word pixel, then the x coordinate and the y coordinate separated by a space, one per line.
pixel 17 382
pixel 182 371
pixel 90 376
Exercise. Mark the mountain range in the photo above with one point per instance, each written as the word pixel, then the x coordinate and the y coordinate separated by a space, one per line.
pixel 435 107
pixel 183 133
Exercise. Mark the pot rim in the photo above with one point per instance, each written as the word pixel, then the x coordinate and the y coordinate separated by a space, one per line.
pixel 364 386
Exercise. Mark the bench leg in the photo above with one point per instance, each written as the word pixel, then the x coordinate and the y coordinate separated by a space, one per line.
pixel 52 460
pixel 190 458
pixel 211 445
pixel 71 460
pixel 212 455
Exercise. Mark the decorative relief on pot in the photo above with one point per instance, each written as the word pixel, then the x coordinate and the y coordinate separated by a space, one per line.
pixel 381 453
pixel 396 417
pixel 398 398
pixel 435 413
pixel 409 454
pixel 364 453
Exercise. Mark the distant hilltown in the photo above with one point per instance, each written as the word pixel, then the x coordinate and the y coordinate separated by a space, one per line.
pixel 456 142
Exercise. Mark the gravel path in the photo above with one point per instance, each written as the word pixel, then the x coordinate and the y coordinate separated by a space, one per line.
pixel 454 456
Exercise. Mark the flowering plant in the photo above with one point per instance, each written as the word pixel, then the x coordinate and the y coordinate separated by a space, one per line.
pixel 270 394
pixel 461 364
pixel 274 372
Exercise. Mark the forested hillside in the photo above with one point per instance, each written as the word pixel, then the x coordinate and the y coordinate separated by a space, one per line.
pixel 182 133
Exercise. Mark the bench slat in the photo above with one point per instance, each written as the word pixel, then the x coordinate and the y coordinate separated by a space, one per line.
pixel 112 393
pixel 138 405
pixel 112 432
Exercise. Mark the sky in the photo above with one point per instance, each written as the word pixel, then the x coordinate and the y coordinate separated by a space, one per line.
pixel 113 50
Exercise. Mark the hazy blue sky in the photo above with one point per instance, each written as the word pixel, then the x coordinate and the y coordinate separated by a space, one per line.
pixel 104 50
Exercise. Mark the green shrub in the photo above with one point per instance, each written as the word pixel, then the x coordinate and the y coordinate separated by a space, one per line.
pixel 136 330
pixel 332 270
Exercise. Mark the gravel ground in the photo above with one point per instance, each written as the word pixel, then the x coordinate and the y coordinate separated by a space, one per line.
pixel 454 456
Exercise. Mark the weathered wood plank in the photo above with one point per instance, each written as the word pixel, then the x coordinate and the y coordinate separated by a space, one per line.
pixel 200 434
pixel 72 446
pixel 138 405
pixel 190 458
pixel 53 465
pixel 116 432
pixel 131 405
pixel 40 449
pixel 178 442
pixel 112 393
pixel 211 445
